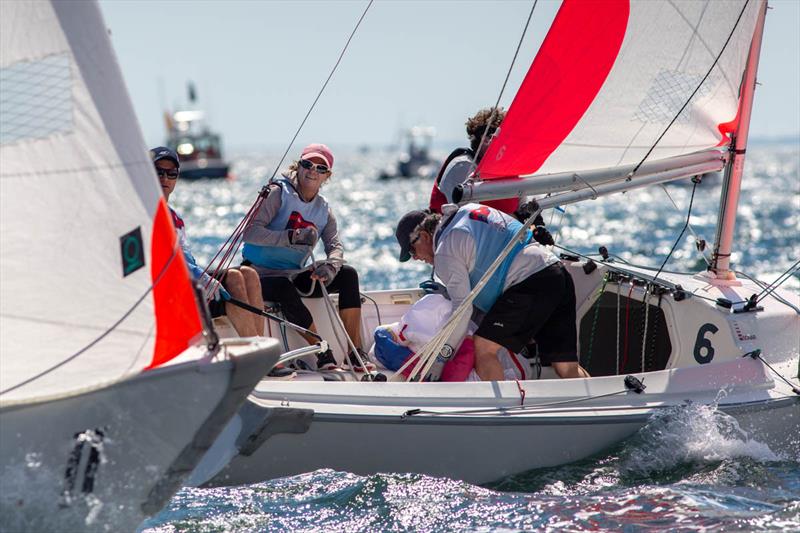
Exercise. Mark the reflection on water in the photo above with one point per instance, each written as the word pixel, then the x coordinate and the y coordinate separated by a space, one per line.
pixel 640 226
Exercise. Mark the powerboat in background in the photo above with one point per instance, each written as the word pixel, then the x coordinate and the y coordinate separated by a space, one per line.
pixel 199 148
pixel 414 159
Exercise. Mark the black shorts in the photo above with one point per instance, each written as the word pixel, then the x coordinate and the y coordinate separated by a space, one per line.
pixel 540 307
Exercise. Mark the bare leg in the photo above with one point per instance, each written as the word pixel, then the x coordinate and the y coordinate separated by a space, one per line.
pixel 570 370
pixel 351 318
pixel 253 288
pixel 241 319
pixel 487 365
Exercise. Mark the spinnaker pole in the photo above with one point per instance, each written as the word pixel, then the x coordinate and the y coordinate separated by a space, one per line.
pixel 731 185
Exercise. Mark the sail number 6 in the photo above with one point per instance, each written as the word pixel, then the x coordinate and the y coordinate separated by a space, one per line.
pixel 703 351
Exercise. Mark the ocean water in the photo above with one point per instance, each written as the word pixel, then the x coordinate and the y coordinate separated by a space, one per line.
pixel 691 469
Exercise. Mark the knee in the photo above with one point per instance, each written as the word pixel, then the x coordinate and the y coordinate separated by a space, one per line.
pixel 234 281
pixel 251 279
pixel 348 274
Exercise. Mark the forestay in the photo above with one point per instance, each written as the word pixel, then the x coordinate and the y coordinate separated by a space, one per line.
pixel 91 289
pixel 610 77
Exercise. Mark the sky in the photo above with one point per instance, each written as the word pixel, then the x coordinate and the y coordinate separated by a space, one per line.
pixel 259 64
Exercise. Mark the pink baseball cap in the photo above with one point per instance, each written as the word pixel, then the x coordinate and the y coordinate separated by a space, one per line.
pixel 318 150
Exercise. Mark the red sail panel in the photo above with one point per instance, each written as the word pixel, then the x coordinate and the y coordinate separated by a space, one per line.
pixel 570 68
pixel 177 316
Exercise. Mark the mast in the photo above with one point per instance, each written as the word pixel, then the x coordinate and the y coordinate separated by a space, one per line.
pixel 731 186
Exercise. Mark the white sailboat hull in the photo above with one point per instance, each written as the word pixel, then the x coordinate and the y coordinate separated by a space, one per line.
pixel 114 456
pixel 292 427
pixel 477 432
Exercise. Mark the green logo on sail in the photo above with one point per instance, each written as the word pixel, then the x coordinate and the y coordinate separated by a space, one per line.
pixel 132 251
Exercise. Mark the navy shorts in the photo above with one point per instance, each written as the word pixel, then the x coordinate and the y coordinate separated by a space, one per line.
pixel 541 308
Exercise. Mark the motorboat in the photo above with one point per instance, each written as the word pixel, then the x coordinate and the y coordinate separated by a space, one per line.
pixel 656 93
pixel 414 159
pixel 199 147
pixel 112 383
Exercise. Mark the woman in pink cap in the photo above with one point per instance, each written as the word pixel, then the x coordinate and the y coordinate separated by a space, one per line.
pixel 279 242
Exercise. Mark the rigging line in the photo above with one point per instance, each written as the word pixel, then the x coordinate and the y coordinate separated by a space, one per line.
pixel 103 335
pixel 756 354
pixel 775 284
pixel 245 220
pixel 763 285
pixel 678 240
pixel 324 85
pixel 691 229
pixel 508 75
pixel 678 114
pixel 514 409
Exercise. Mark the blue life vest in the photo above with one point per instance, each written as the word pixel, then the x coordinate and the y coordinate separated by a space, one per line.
pixel 294 213
pixel 492 230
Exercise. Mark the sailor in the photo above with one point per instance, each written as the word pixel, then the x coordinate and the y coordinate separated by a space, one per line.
pixel 280 239
pixel 462 162
pixel 530 295
pixel 241 284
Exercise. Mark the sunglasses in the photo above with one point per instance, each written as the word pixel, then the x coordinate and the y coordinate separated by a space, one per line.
pixel 412 242
pixel 171 174
pixel 308 165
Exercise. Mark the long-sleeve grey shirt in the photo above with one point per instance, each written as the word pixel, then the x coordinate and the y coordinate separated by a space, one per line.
pixel 259 234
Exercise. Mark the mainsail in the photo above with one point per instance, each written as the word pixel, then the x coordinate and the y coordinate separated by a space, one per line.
pixel 91 286
pixel 611 76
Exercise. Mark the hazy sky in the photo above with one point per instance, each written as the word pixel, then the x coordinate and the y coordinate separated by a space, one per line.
pixel 257 65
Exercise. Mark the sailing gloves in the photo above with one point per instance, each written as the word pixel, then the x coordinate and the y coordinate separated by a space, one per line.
pixel 325 272
pixel 305 236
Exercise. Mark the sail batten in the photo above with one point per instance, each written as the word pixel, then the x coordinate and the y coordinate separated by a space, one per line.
pixel 670 86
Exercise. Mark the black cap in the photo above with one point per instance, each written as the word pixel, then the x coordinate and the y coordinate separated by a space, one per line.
pixel 405 227
pixel 162 152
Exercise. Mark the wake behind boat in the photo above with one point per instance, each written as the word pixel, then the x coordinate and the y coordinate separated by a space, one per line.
pixel 113 385
pixel 637 101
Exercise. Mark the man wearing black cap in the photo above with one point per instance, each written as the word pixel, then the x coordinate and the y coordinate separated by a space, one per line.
pixel 529 296
pixel 243 285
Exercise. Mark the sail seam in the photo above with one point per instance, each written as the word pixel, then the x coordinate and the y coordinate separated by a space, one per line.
pixel 74 170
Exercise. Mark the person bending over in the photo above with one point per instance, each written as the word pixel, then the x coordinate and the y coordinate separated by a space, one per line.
pixel 530 295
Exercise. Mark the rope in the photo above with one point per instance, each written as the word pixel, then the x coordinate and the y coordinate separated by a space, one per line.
pixel 428 354
pixel 512 410
pixel 619 287
pixel 775 284
pixel 627 329
pixel 594 320
pixel 105 333
pixel 678 240
pixel 714 64
pixel 697 238
pixel 644 327
pixel 508 75
pixel 235 240
pixel 756 354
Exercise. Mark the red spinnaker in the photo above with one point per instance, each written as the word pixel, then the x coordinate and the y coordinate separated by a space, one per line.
pixel 570 68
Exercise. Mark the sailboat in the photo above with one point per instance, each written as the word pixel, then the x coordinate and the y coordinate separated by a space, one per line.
pixel 621 95
pixel 112 385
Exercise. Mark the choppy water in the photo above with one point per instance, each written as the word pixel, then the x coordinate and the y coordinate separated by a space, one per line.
pixel 689 470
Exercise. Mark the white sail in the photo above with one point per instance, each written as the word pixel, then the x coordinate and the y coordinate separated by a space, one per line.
pixel 85 230
pixel 612 75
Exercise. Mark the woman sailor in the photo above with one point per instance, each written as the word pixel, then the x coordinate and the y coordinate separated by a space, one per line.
pixel 281 238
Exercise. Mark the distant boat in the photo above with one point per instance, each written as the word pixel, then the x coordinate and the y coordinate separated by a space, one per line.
pixel 414 159
pixel 199 148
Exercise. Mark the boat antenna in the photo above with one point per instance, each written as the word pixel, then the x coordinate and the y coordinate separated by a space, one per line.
pixel 508 75
pixel 231 245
